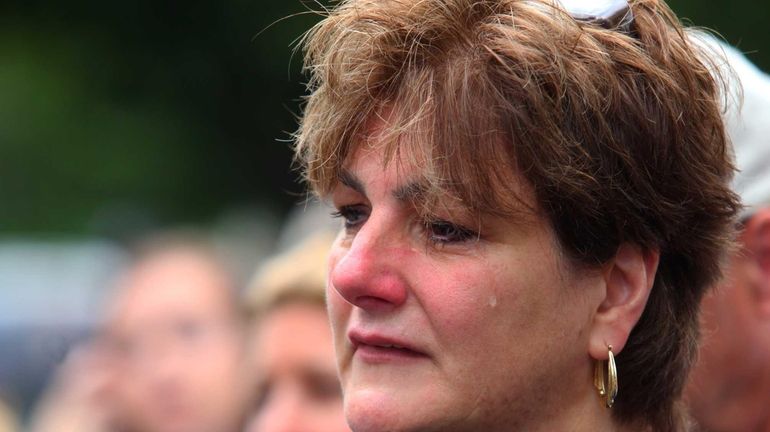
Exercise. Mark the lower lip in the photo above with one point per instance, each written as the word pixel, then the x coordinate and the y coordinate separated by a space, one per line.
pixel 376 354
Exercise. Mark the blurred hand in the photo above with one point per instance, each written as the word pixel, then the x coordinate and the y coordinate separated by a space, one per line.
pixel 79 398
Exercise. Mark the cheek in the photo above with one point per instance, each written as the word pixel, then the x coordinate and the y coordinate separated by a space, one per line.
pixel 487 302
pixel 459 300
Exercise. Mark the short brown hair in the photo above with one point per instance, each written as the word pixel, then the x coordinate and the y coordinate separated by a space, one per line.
pixel 620 136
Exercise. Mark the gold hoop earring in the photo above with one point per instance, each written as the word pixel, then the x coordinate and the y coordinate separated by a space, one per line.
pixel 608 390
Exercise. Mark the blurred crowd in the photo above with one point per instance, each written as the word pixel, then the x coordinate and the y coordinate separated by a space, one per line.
pixel 181 347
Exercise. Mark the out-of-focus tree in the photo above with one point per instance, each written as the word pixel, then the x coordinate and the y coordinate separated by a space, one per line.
pixel 143 113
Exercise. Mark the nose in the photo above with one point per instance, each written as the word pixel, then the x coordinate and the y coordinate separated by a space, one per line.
pixel 368 270
pixel 167 374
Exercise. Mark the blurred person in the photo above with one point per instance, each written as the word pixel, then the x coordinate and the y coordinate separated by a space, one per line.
pixel 8 421
pixel 729 389
pixel 78 399
pixel 176 339
pixel 297 389
pixel 534 196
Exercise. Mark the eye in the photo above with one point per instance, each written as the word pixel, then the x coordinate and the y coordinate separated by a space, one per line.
pixel 353 216
pixel 442 232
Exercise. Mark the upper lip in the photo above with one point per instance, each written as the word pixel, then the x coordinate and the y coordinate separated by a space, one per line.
pixel 360 337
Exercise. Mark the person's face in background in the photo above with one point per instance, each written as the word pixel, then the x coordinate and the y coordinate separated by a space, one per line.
pixel 177 344
pixel 728 387
pixel 297 385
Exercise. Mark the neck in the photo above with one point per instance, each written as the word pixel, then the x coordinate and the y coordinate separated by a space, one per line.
pixel 587 412
pixel 571 405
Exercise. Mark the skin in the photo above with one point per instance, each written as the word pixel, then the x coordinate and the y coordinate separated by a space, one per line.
pixel 7 418
pixel 729 388
pixel 503 331
pixel 175 339
pixel 80 398
pixel 296 372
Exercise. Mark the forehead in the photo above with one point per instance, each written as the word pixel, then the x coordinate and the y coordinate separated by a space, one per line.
pixel 397 173
pixel 293 335
pixel 472 172
pixel 168 286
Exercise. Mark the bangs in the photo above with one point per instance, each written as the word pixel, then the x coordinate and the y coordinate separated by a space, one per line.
pixel 444 123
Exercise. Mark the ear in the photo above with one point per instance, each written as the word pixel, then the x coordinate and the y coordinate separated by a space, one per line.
pixel 628 278
pixel 755 239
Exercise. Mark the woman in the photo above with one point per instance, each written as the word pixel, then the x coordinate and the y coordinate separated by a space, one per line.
pixel 297 387
pixel 534 197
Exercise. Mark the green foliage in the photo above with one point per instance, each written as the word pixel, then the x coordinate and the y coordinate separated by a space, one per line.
pixel 743 23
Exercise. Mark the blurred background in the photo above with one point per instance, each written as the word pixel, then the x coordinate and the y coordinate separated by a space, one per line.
pixel 118 119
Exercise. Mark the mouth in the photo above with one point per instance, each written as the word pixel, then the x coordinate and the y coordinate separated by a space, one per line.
pixel 377 348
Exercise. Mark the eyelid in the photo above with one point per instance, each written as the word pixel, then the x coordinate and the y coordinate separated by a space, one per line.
pixel 460 234
pixel 353 216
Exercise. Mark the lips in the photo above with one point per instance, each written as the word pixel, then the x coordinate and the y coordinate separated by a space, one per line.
pixel 378 348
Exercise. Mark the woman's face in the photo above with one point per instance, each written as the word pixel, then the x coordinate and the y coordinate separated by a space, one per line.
pixel 451 323
pixel 296 375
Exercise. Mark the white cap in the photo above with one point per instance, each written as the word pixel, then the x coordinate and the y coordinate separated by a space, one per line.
pixel 748 123
pixel 749 129
pixel 595 8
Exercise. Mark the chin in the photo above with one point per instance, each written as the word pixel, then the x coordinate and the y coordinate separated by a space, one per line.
pixel 373 410
pixel 387 410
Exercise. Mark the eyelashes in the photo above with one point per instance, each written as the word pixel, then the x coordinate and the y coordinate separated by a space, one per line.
pixel 352 216
pixel 436 231
pixel 443 232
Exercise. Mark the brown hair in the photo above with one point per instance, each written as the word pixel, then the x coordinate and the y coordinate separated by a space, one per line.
pixel 619 135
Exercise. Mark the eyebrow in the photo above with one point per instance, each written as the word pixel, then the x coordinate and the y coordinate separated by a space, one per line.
pixel 409 192
pixel 350 180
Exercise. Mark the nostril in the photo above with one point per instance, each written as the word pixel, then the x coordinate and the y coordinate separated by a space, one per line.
pixel 373 304
pixel 373 291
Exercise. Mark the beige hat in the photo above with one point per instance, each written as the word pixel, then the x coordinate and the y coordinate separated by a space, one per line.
pixel 299 273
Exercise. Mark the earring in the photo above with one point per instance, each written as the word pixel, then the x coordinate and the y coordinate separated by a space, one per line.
pixel 608 390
